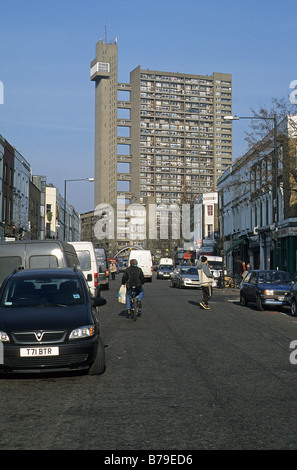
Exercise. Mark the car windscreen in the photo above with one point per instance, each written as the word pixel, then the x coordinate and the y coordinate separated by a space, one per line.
pixel 42 290
pixel 274 277
pixel 189 271
pixel 217 265
pixel 165 267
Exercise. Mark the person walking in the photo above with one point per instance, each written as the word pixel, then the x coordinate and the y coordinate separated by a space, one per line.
pixel 112 269
pixel 205 278
pixel 238 271
pixel 133 277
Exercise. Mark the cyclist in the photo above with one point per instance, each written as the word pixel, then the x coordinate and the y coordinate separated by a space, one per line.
pixel 133 277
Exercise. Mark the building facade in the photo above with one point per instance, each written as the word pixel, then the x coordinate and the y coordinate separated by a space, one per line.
pixel 54 217
pixel 2 146
pixel 21 182
pixel 258 204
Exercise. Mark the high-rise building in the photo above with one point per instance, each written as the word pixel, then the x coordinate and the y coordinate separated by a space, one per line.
pixel 162 136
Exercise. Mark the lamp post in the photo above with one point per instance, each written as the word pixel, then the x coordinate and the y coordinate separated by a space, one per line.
pixel 65 188
pixel 275 185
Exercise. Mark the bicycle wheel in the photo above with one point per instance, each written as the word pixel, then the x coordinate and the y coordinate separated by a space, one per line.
pixel 134 307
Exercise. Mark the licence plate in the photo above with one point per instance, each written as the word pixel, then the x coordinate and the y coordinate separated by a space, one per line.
pixel 43 351
pixel 281 299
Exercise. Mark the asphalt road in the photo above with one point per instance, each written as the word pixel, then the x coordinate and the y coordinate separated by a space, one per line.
pixel 179 378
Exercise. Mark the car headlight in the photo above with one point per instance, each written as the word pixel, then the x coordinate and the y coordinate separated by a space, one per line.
pixel 186 279
pixel 4 337
pixel 268 292
pixel 82 332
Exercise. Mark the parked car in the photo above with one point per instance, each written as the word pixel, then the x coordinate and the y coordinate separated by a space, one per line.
pixel 266 288
pixel 164 271
pixel 185 276
pixel 48 322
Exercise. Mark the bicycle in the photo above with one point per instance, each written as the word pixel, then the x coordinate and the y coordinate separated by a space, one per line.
pixel 134 303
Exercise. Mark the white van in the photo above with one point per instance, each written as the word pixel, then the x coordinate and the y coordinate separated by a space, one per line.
pixel 167 261
pixel 35 254
pixel 145 262
pixel 215 264
pixel 103 270
pixel 88 264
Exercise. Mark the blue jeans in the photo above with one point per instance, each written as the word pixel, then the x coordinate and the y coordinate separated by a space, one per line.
pixel 139 296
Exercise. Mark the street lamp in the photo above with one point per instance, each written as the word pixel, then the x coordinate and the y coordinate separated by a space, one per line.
pixel 236 118
pixel 65 186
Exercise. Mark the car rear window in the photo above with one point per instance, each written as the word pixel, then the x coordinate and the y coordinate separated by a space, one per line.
pixel 43 261
pixel 84 260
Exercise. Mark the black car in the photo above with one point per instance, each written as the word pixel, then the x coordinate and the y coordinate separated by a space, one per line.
pixel 48 322
pixel 266 288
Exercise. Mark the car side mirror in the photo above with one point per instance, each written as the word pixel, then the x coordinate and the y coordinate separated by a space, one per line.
pixel 89 277
pixel 98 301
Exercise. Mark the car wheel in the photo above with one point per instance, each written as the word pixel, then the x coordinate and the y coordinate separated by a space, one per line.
pixel 242 300
pixel 171 284
pixel 294 307
pixel 259 303
pixel 98 366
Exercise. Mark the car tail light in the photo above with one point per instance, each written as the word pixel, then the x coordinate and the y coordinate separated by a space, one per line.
pixel 96 279
pixel 107 273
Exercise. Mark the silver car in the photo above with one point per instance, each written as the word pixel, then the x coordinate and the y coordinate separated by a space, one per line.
pixel 185 276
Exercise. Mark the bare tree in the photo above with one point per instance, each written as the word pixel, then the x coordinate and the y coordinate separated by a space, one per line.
pixel 260 138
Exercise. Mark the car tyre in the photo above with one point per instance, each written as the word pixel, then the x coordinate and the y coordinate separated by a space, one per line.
pixel 259 303
pixel 98 366
pixel 294 307
pixel 243 301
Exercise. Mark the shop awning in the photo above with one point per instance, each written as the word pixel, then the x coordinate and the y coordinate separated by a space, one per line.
pixel 235 244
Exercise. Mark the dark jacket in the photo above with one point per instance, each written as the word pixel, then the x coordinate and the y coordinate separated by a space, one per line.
pixel 133 276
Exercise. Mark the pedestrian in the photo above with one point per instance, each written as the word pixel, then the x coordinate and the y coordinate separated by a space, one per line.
pixel 238 271
pixel 112 269
pixel 205 279
pixel 248 267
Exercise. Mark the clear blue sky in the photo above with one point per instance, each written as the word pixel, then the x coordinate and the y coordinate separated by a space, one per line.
pixel 47 47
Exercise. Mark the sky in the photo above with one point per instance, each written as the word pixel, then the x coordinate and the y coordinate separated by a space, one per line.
pixel 47 109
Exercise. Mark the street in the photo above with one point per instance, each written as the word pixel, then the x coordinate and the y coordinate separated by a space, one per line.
pixel 178 378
